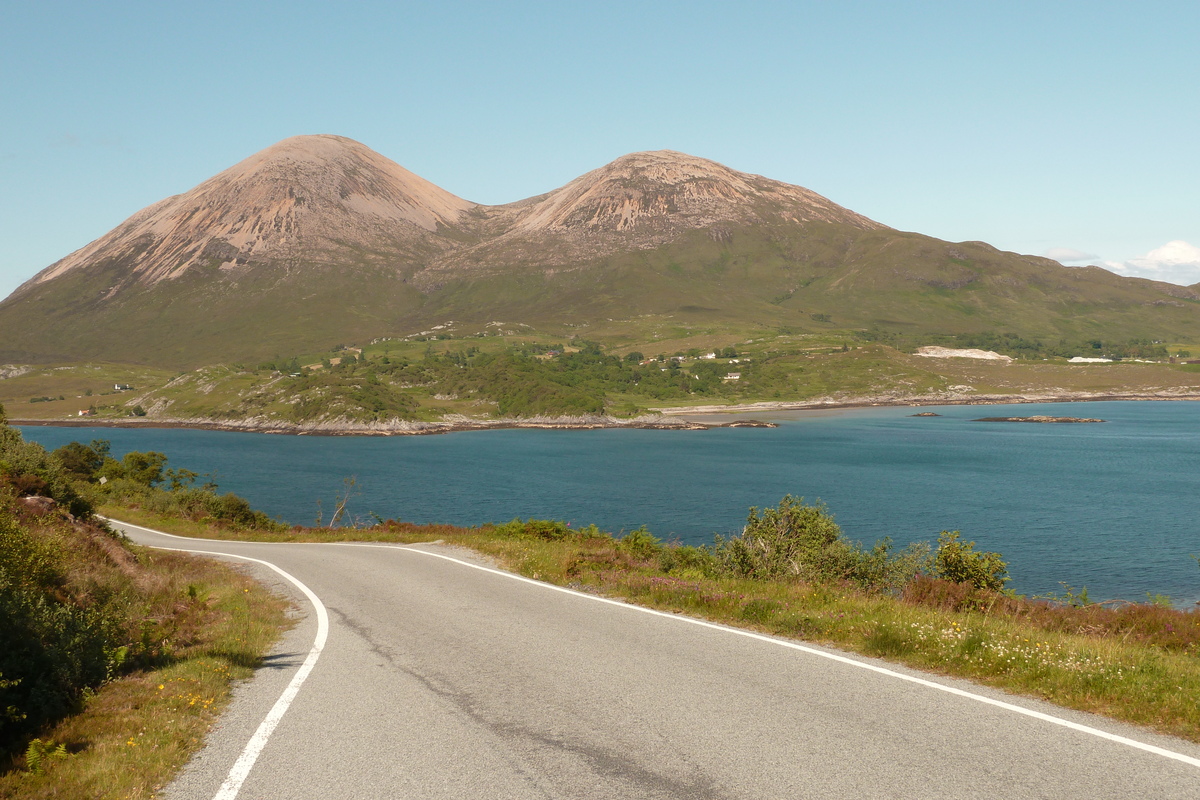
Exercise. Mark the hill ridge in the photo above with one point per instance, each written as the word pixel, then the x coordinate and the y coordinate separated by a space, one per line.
pixel 318 239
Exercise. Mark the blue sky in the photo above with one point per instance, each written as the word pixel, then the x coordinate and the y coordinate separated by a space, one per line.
pixel 1063 128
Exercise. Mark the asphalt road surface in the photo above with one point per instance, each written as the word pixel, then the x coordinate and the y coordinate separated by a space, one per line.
pixel 437 677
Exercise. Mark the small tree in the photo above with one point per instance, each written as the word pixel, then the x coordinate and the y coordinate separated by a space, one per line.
pixel 144 468
pixel 82 461
pixel 181 478
pixel 342 500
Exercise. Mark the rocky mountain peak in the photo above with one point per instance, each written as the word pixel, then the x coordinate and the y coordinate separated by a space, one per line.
pixel 665 190
pixel 342 175
pixel 300 198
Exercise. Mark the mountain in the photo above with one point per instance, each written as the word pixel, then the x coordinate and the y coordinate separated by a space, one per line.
pixel 308 241
pixel 640 201
pixel 319 240
pixel 306 198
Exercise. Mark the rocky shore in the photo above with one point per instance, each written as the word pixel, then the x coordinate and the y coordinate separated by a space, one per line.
pixel 939 399
pixel 670 418
pixel 1038 418
pixel 397 427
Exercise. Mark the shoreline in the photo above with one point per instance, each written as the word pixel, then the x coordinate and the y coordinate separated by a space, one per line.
pixel 390 428
pixel 884 401
pixel 667 418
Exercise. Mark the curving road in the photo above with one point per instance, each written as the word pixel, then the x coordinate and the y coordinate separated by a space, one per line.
pixel 441 678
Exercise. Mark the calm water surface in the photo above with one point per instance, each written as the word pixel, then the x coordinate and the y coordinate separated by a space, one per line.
pixel 1113 507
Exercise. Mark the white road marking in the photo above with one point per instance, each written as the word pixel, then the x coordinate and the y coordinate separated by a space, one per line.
pixel 241 768
pixel 1066 723
pixel 1028 712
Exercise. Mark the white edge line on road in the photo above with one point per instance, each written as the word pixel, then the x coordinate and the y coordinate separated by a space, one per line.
pixel 1028 712
pixel 1066 723
pixel 241 768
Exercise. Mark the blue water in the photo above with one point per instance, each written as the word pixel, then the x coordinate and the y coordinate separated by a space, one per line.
pixel 1113 507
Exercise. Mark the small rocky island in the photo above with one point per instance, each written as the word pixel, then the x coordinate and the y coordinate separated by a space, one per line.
pixel 1039 419
pixel 925 414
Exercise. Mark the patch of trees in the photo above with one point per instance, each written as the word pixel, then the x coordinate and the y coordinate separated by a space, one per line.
pixel 579 382
pixel 143 480
pixel 526 380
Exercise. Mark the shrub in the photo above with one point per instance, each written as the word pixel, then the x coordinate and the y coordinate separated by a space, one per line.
pixel 957 562
pixel 144 468
pixel 799 541
pixel 27 469
pixel 550 530
pixel 56 639
pixel 689 561
pixel 883 568
pixel 640 543
pixel 926 590
pixel 228 510
pixel 82 461
pixel 791 540
pixel 136 481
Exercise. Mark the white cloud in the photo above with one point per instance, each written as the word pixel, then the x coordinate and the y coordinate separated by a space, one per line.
pixel 1174 262
pixel 1066 255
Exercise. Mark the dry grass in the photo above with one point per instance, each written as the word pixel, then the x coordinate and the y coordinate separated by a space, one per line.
pixel 134 733
pixel 1137 663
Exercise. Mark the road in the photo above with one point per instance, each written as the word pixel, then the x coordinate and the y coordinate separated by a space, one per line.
pixel 440 678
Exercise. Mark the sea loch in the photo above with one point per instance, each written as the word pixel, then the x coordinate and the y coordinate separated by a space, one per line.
pixel 1111 506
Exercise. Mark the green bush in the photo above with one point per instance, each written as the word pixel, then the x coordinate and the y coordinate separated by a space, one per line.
pixel 55 641
pixel 689 561
pixel 198 505
pixel 798 541
pixel 27 469
pixel 146 469
pixel 956 561
pixel 790 540
pixel 550 530
pixel 882 567
pixel 82 461
pixel 138 480
pixel 640 543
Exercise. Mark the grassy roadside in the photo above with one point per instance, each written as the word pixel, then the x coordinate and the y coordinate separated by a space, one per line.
pixel 135 732
pixel 205 626
pixel 114 660
pixel 1139 663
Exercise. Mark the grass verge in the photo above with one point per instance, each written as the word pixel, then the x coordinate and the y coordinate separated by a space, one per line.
pixel 134 733
pixel 1138 663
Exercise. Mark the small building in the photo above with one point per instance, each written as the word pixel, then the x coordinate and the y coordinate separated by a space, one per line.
pixel 732 376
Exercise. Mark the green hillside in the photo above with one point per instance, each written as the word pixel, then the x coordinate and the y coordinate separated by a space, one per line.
pixel 812 277
pixel 249 281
